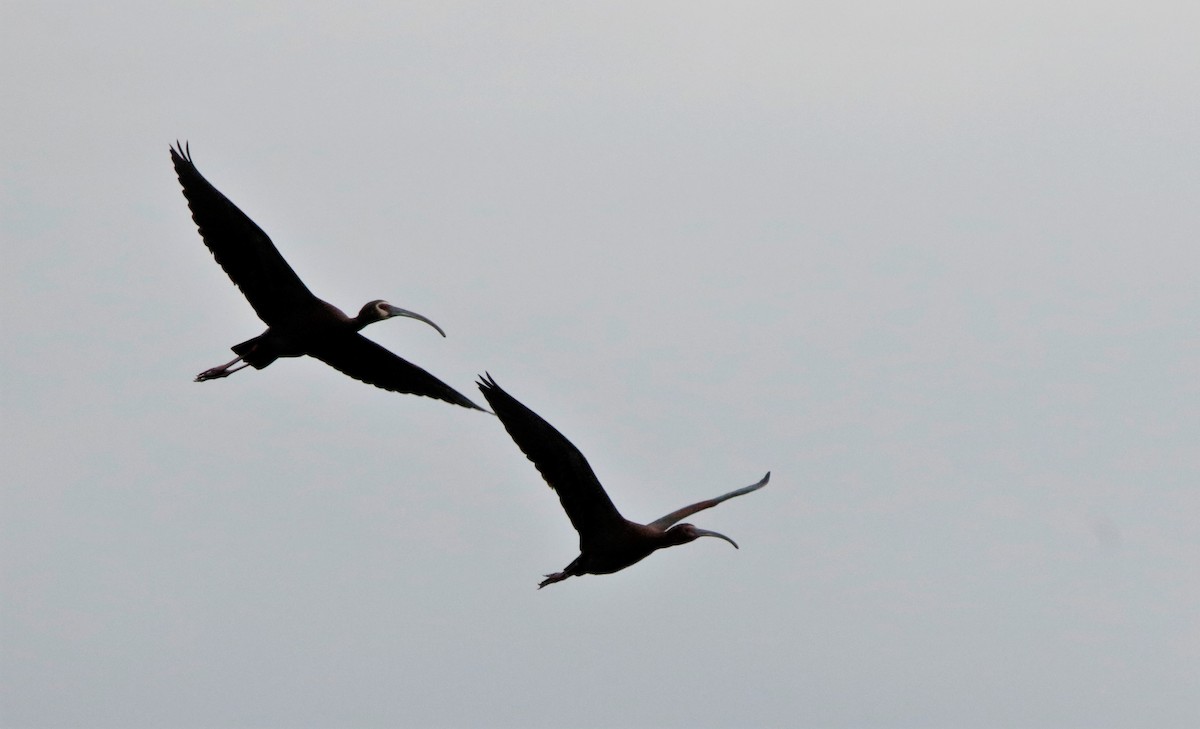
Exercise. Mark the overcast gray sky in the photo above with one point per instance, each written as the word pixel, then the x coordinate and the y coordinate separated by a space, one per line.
pixel 932 264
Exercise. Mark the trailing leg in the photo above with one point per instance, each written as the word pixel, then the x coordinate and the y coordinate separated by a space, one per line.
pixel 221 371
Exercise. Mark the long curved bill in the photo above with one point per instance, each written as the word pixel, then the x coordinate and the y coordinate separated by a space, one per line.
pixel 397 311
pixel 718 535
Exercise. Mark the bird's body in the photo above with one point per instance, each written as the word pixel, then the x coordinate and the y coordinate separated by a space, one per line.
pixel 318 326
pixel 298 323
pixel 624 545
pixel 608 542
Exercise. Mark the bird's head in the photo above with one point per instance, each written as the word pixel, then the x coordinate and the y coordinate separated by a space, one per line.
pixel 684 533
pixel 378 310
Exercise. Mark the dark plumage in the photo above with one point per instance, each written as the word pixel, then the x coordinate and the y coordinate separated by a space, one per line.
pixel 608 542
pixel 298 323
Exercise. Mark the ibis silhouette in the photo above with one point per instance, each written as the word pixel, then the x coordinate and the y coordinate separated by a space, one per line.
pixel 298 323
pixel 608 542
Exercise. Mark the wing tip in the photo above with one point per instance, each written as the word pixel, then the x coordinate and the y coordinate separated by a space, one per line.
pixel 458 399
pixel 181 152
pixel 489 389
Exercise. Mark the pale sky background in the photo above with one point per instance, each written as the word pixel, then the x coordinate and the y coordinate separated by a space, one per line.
pixel 933 264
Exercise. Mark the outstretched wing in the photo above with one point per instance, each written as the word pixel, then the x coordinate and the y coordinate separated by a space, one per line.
pixel 670 519
pixel 561 464
pixel 355 355
pixel 240 246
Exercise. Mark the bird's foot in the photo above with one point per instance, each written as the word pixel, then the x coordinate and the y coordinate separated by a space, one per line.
pixel 551 579
pixel 224 370
pixel 215 373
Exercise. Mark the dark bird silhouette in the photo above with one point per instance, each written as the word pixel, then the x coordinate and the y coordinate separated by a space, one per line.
pixel 608 542
pixel 298 323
